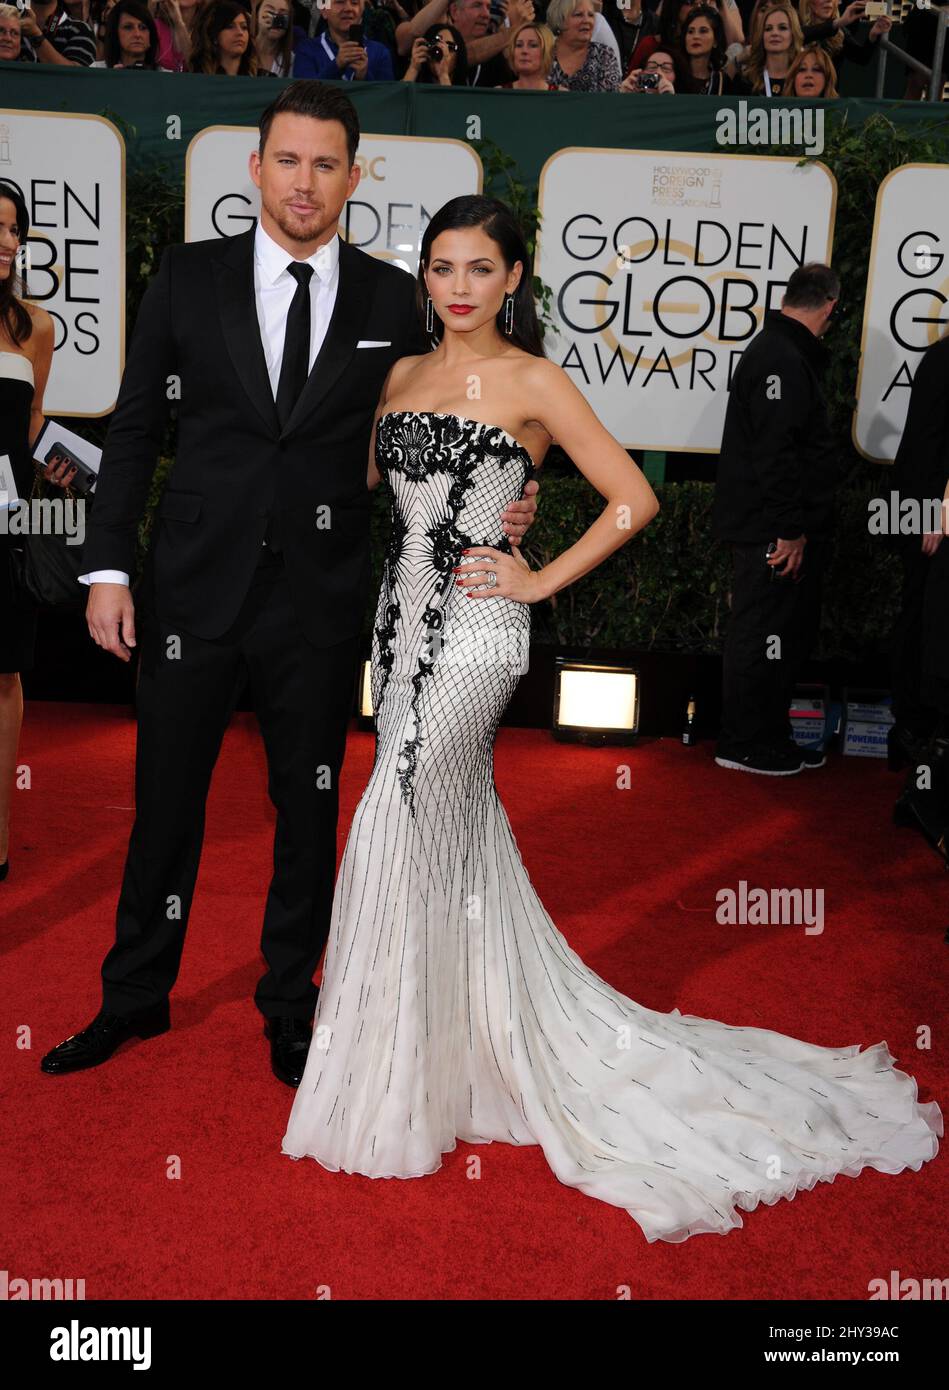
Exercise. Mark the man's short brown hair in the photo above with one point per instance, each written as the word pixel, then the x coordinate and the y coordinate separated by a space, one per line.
pixel 310 97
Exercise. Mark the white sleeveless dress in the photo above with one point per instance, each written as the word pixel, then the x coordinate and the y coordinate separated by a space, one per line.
pixel 453 1010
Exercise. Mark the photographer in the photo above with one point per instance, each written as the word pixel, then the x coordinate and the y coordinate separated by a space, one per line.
pixel 440 56
pixel 274 37
pixel 657 77
pixel 53 37
pixel 340 49
pixel 131 37
pixel 844 36
pixel 487 66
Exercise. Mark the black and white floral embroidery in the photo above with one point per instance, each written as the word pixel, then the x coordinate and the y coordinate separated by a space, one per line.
pixel 419 445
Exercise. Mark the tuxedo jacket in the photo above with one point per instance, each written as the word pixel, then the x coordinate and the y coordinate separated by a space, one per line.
pixel 197 345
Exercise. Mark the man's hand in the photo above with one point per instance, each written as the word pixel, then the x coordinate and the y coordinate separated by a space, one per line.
pixel 518 12
pixel 30 25
pixel 931 540
pixel 353 55
pixel 518 516
pixel 110 617
pixel 787 557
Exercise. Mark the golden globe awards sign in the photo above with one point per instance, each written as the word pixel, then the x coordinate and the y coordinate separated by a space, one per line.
pixel 70 170
pixel 661 267
pixel 403 181
pixel 906 304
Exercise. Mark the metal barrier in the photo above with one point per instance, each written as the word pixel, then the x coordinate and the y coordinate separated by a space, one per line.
pixel 934 74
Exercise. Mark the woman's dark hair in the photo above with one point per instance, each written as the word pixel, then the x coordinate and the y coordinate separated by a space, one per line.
pixel 669 25
pixel 717 58
pixel 498 222
pixel 459 76
pixel 212 20
pixel 15 318
pixel 113 49
pixel 308 96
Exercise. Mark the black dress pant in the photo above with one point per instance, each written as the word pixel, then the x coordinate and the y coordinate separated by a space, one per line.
pixel 772 627
pixel 187 690
pixel 906 641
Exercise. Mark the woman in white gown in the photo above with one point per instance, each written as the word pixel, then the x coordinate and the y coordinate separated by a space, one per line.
pixel 451 1006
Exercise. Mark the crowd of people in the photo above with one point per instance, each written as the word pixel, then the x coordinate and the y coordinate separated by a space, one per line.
pixel 644 47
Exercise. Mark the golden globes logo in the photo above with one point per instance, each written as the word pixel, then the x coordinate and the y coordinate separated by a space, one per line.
pixel 656 301
pixel 919 315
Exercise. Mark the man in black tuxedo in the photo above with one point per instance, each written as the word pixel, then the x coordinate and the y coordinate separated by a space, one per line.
pixel 276 344
pixel 774 495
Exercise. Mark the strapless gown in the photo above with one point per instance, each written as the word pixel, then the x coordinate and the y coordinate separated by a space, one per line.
pixel 453 1010
pixel 17 615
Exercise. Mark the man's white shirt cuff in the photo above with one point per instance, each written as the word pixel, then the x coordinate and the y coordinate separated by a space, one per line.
pixel 105 577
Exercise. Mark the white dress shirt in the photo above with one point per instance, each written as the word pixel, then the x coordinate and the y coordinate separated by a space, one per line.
pixel 274 288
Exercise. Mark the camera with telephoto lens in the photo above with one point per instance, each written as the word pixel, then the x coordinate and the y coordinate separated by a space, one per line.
pixel 280 21
pixel 647 81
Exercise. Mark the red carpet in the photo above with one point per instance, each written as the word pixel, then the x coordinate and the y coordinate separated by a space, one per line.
pixel 629 876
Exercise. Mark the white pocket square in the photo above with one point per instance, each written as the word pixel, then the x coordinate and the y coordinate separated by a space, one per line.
pixel 373 342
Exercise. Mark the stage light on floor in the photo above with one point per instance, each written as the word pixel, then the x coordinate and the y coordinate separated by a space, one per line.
pixel 365 714
pixel 595 703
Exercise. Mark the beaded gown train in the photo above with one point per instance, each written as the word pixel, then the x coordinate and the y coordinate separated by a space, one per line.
pixel 453 1010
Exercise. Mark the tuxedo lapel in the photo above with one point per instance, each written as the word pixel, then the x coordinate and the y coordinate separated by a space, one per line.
pixel 343 333
pixel 237 306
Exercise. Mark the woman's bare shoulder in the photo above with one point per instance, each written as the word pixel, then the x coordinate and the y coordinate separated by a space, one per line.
pixel 42 321
pixel 401 372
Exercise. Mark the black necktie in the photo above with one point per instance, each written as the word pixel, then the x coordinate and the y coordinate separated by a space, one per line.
pixel 295 366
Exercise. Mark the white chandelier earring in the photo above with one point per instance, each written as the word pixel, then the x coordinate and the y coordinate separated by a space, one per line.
pixel 429 315
pixel 509 314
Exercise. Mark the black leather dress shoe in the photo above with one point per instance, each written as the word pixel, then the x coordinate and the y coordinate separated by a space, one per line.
pixel 289 1045
pixel 105 1033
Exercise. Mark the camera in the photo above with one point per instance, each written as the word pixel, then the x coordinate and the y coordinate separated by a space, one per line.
pixel 435 51
pixel 280 21
pixel 647 81
pixel 355 33
pixel 876 9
